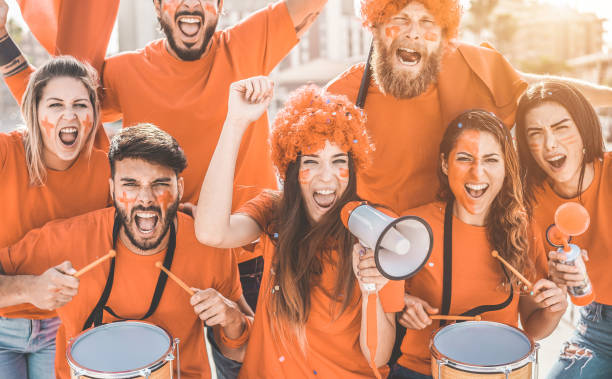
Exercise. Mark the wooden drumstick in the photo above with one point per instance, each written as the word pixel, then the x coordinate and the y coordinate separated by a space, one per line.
pixel 93 264
pixel 178 281
pixel 454 317
pixel 515 271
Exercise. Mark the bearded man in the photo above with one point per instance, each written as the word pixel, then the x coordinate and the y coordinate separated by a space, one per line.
pixel 419 78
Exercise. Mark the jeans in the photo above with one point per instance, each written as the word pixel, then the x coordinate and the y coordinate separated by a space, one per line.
pixel 588 353
pixel 27 348
pixel 401 372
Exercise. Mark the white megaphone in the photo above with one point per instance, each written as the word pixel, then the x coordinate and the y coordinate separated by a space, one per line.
pixel 401 245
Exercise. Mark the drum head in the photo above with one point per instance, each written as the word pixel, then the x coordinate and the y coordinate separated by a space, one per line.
pixel 482 343
pixel 120 347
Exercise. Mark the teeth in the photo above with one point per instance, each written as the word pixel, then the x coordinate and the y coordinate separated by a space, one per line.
pixel 190 20
pixel 69 130
pixel 556 158
pixel 325 192
pixel 477 187
pixel 407 50
pixel 146 215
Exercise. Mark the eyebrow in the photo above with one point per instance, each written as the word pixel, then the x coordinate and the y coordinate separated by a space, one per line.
pixel 58 99
pixel 162 180
pixel 560 122
pixel 340 155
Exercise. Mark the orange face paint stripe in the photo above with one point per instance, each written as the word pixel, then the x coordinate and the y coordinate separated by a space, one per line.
pixel 210 8
pixel 431 36
pixel 392 31
pixel 126 200
pixel 47 125
pixel 469 142
pixel 170 7
pixel 304 176
pixel 344 173
pixel 87 123
pixel 164 199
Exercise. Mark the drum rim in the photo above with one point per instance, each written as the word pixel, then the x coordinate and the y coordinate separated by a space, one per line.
pixel 519 363
pixel 117 374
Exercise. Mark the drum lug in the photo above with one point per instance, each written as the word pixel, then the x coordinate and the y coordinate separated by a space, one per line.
pixel 146 373
pixel 534 370
pixel 178 357
pixel 441 362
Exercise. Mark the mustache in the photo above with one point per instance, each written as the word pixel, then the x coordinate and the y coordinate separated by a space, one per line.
pixel 187 13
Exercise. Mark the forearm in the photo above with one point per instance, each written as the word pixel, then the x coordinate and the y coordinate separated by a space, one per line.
pixel 385 328
pixel 239 334
pixel 303 13
pixel 541 323
pixel 15 289
pixel 598 95
pixel 212 219
pixel 12 60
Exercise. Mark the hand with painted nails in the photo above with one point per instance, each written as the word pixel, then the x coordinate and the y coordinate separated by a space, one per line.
pixel 548 296
pixel 416 313
pixel 364 267
pixel 54 288
pixel 248 100
pixel 565 275
pixel 214 309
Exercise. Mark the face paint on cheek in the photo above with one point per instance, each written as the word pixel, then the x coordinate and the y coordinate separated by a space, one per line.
pixel 164 199
pixel 460 173
pixel 47 125
pixel 570 140
pixel 210 8
pixel 169 8
pixel 304 176
pixel 344 174
pixel 127 201
pixel 87 123
pixel 392 31
pixel 431 36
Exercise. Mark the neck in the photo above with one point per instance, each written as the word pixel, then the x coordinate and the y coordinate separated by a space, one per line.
pixel 468 218
pixel 53 162
pixel 173 53
pixel 569 189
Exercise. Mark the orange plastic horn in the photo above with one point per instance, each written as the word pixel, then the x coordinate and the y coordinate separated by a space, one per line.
pixel 345 213
pixel 572 219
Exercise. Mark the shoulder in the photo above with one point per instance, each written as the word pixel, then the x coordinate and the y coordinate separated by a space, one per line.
pixel 348 82
pixel 432 212
pixel 129 58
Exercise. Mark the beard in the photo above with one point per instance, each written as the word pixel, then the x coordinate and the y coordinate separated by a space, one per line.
pixel 190 53
pixel 397 83
pixel 147 245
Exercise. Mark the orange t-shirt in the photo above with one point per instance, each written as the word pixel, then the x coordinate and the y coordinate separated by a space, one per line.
pixel 597 241
pixel 26 207
pixel 332 350
pixel 189 99
pixel 407 132
pixel 477 280
pixel 135 277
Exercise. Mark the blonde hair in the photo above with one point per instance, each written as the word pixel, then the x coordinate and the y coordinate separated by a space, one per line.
pixel 62 66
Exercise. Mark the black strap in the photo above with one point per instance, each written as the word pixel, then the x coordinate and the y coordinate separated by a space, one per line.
pixel 447 280
pixel 365 81
pixel 95 318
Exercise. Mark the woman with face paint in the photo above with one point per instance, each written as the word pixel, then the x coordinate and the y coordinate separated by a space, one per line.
pixel 481 208
pixel 49 171
pixel 309 320
pixel 562 157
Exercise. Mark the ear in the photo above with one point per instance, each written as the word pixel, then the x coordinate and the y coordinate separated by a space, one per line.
pixel 111 187
pixel 180 185
pixel 444 164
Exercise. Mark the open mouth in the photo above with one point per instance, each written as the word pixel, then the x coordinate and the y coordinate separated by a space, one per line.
pixel 68 136
pixel 146 221
pixel 476 190
pixel 324 198
pixel 189 25
pixel 557 161
pixel 408 57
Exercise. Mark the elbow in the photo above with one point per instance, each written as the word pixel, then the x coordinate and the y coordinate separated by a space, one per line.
pixel 208 238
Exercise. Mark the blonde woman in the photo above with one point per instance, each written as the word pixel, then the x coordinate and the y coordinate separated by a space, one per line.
pixel 49 170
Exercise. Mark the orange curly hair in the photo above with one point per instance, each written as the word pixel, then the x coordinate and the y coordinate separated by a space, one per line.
pixel 312 116
pixel 446 12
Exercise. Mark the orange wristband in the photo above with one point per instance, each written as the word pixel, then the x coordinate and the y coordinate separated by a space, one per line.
pixel 240 340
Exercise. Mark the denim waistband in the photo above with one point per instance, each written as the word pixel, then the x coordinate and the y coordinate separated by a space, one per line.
pixel 598 312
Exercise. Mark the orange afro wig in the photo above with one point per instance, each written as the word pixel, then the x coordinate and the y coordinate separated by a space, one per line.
pixel 446 12
pixel 312 116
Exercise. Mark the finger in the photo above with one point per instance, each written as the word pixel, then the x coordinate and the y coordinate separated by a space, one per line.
pixel 212 311
pixel 201 295
pixel 68 281
pixel 216 320
pixel 256 91
pixel 369 272
pixel 63 299
pixel 248 89
pixel 423 317
pixel 572 277
pixel 415 320
pixel 365 263
pixel 544 295
pixel 560 267
pixel 429 308
pixel 68 291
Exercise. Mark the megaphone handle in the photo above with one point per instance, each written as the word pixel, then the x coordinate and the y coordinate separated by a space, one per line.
pixel 370 287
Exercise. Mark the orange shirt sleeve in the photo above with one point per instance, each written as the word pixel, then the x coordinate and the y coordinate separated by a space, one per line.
pixel 261 208
pixel 4 146
pixel 111 110
pixel 18 83
pixel 263 39
pixel 537 252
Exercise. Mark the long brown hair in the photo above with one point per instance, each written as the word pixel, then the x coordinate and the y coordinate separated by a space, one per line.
pixel 583 115
pixel 62 66
pixel 301 250
pixel 507 220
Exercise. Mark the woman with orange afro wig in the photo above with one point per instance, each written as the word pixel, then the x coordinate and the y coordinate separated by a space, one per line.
pixel 309 319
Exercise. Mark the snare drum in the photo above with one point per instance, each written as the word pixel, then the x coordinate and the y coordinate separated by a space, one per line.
pixel 125 349
pixel 482 349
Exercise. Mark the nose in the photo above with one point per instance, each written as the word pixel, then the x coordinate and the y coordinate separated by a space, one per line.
pixel 191 4
pixel 327 173
pixel 550 141
pixel 145 196
pixel 69 114
pixel 413 31
pixel 477 169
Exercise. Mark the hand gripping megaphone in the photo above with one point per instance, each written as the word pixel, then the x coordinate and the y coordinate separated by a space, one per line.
pixel 401 245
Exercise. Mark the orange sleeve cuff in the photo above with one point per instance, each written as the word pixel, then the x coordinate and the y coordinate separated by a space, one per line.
pixel 240 340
